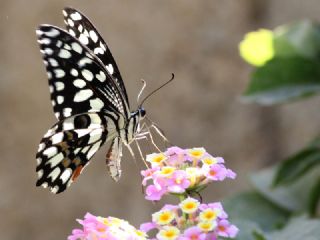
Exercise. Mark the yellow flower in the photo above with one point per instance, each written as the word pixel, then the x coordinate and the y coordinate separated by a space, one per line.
pixel 167 171
pixel 209 214
pixel 168 233
pixel 189 205
pixel 163 217
pixel 156 158
pixel 196 152
pixel 257 47
pixel 209 160
pixel 207 226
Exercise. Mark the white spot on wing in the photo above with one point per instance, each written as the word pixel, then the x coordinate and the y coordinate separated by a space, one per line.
pixel 52 33
pixel 64 54
pixel 74 72
pixel 67 112
pixel 68 124
pixel 79 83
pixel 59 86
pixel 76 47
pixel 55 160
pixel 53 62
pixel 41 147
pixel 83 95
pixel 110 68
pixel 87 74
pixel 54 174
pixel 93 36
pixel 76 16
pixel 66 175
pixel 60 99
pixel 56 138
pixel 51 151
pixel 59 73
pixel 96 104
pixel 40 173
pixel 98 50
pixel 95 135
pixel 83 39
pixel 54 189
pixel 70 22
pixel 101 76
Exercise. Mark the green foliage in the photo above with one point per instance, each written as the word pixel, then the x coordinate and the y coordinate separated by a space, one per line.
pixel 297 165
pixel 291 189
pixel 293 72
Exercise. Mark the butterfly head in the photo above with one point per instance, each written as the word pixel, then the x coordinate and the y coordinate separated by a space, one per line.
pixel 142 112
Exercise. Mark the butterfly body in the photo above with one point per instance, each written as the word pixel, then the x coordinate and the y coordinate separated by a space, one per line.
pixel 89 101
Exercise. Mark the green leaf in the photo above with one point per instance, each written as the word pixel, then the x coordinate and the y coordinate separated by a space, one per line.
pixel 250 206
pixel 297 165
pixel 258 236
pixel 247 229
pixel 298 229
pixel 314 202
pixel 294 197
pixel 283 79
pixel 297 39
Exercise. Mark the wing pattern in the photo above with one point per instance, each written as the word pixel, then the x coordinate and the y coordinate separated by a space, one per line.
pixel 79 26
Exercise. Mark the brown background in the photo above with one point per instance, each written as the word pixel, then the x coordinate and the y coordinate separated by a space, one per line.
pixel 197 40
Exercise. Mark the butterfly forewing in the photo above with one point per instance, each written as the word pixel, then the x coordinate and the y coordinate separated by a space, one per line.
pixel 78 81
pixel 80 27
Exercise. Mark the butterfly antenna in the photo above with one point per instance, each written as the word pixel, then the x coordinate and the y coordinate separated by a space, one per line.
pixel 143 87
pixel 171 79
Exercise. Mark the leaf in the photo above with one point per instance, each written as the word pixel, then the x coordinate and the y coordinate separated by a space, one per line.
pixel 294 197
pixel 297 39
pixel 283 79
pixel 296 166
pixel 314 199
pixel 298 229
pixel 247 229
pixel 250 206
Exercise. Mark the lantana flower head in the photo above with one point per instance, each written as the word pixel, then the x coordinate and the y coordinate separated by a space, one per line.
pixel 194 220
pixel 182 171
pixel 106 229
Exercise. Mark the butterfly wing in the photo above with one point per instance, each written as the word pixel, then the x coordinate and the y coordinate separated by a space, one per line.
pixel 114 158
pixel 78 81
pixel 68 147
pixel 79 26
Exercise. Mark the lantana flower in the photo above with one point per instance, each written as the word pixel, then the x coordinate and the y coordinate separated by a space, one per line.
pixel 181 171
pixel 191 220
pixel 106 229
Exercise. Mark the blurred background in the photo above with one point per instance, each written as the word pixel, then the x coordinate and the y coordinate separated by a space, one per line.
pixel 198 41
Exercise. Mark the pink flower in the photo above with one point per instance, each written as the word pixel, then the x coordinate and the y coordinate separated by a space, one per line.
pixel 213 206
pixel 193 233
pixel 148 174
pixel 176 155
pixel 216 172
pixel 225 229
pixel 178 183
pixel 155 192
pixel 231 174
pixel 105 229
pixel 146 227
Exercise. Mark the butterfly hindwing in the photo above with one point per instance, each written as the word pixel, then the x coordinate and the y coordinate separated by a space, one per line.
pixel 79 26
pixel 78 81
pixel 68 146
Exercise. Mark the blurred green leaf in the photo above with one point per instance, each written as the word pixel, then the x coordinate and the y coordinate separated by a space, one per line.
pixel 297 165
pixel 294 197
pixel 314 199
pixel 250 206
pixel 258 236
pixel 298 229
pixel 297 39
pixel 283 79
pixel 247 229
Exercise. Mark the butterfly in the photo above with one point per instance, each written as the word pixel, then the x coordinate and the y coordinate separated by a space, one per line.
pixel 89 100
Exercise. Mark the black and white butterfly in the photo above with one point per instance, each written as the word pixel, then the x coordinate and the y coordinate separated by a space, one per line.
pixel 89 100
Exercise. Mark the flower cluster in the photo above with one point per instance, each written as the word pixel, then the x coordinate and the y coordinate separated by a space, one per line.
pixel 105 229
pixel 191 220
pixel 181 171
